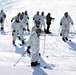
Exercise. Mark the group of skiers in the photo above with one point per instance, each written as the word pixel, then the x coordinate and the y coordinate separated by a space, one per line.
pixel 33 46
pixel 20 22
pixel 42 18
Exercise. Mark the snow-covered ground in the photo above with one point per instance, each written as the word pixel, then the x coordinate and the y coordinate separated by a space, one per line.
pixel 58 56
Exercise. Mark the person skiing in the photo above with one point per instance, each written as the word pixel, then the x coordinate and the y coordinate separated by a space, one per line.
pixel 25 21
pixel 2 18
pixel 65 23
pixel 26 18
pixel 17 29
pixel 48 22
pixel 42 20
pixel 36 17
pixel 34 45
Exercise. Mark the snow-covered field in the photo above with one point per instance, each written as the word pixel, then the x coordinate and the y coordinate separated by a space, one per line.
pixel 58 56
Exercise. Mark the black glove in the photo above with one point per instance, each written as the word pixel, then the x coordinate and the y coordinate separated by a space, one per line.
pixel 27 23
pixel 11 20
pixel 13 30
pixel 33 19
pixel 61 24
pixel 28 47
pixel 4 16
pixel 28 51
pixel 12 34
pixel 39 19
pixel 28 17
pixel 53 18
pixel 44 30
pixel 72 23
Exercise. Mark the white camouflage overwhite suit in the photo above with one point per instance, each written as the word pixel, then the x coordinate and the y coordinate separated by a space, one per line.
pixel 36 17
pixel 25 21
pixel 2 14
pixel 66 22
pixel 18 30
pixel 34 43
pixel 42 20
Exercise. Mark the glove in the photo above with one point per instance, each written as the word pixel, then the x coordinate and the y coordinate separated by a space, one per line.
pixel 13 31
pixel 33 19
pixel 44 30
pixel 39 19
pixel 53 18
pixel 12 34
pixel 11 20
pixel 61 24
pixel 28 49
pixel 72 23
pixel 4 16
pixel 27 23
pixel 28 17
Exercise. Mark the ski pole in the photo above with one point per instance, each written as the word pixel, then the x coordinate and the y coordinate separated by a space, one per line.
pixel 53 26
pixel 73 28
pixel 7 24
pixel 58 33
pixel 20 58
pixel 44 42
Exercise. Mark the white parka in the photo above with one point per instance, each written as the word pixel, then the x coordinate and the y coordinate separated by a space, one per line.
pixel 25 18
pixel 33 28
pixel 17 27
pixel 25 21
pixel 34 42
pixel 36 17
pixel 42 20
pixel 66 22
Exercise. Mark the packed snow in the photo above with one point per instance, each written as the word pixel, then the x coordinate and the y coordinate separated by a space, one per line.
pixel 58 56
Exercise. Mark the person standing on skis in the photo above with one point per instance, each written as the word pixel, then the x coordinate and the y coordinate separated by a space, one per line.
pixel 42 20
pixel 17 29
pixel 48 22
pixel 2 18
pixel 25 21
pixel 65 23
pixel 34 46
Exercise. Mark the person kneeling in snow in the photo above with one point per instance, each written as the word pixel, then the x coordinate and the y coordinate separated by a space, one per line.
pixel 34 46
